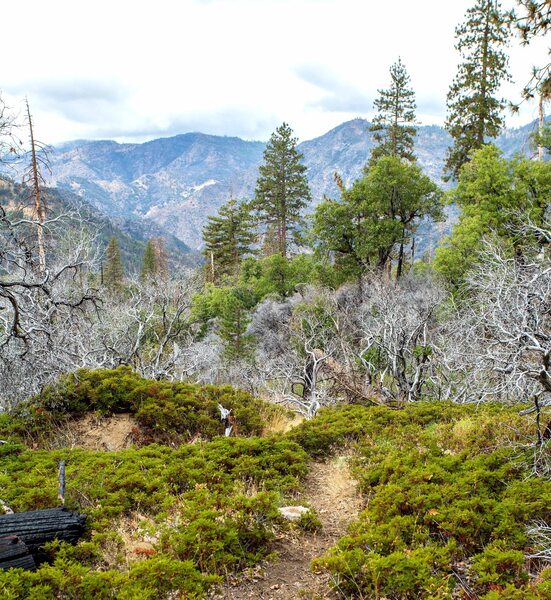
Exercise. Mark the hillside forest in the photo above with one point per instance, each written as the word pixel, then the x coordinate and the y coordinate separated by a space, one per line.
pixel 312 355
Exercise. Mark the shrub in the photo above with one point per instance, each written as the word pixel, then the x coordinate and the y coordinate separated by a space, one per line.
pixel 212 505
pixel 441 494
pixel 168 412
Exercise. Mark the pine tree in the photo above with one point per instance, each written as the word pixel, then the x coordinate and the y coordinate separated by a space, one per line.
pixel 474 111
pixel 282 190
pixel 234 320
pixel 533 21
pixel 149 262
pixel 114 272
pixel 394 125
pixel 228 237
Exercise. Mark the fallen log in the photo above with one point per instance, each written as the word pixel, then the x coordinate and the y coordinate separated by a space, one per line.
pixel 37 527
pixel 14 554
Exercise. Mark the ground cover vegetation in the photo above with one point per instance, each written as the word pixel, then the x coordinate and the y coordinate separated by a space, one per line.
pixel 431 373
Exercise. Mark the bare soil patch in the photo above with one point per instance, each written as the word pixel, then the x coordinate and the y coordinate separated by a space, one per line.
pixel 94 432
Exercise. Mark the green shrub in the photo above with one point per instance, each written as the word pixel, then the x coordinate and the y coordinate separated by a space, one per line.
pixel 168 412
pixel 309 522
pixel 156 578
pixel 499 565
pixel 213 505
pixel 441 494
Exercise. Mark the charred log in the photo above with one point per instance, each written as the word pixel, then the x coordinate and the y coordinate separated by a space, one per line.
pixel 36 528
pixel 14 554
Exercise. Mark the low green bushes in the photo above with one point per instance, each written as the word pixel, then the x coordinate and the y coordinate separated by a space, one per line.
pixel 212 506
pixel 447 491
pixel 153 579
pixel 167 412
pixel 448 497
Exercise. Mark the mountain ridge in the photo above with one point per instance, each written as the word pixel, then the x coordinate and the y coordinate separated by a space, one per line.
pixel 177 181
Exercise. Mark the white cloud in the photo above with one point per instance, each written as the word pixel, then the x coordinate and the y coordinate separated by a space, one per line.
pixel 135 69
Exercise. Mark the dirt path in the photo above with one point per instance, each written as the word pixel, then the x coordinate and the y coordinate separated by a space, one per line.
pixel 332 492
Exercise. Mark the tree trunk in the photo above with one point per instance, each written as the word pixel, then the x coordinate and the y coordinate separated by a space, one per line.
pixel 400 260
pixel 540 125
pixel 39 207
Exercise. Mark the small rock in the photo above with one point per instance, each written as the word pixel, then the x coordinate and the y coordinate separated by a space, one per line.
pixel 292 513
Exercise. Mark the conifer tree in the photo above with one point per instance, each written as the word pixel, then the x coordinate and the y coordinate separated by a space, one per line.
pixel 149 262
pixel 234 320
pixel 474 110
pixel 114 272
pixel 282 190
pixel 394 126
pixel 228 237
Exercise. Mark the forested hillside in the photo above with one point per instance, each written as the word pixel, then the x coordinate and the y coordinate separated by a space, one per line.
pixel 347 395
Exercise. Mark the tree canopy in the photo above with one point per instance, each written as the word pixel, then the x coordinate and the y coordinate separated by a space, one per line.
pixel 495 196
pixel 378 215
pixel 474 108
pixel 282 192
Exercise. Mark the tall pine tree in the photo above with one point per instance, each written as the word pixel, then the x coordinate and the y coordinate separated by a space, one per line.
pixel 149 262
pixel 474 110
pixel 282 191
pixel 113 273
pixel 228 237
pixel 394 125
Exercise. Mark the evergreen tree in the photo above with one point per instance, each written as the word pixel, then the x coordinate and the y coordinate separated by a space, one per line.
pixel 234 320
pixel 282 190
pixel 495 196
pixel 474 111
pixel 533 21
pixel 149 262
pixel 377 216
pixel 228 237
pixel 114 273
pixel 394 125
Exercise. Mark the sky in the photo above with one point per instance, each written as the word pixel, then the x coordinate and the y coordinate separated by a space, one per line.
pixel 138 70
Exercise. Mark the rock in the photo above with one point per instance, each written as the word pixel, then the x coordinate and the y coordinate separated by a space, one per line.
pixel 293 513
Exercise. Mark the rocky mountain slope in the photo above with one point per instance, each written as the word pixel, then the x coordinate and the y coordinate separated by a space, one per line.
pixel 131 232
pixel 175 183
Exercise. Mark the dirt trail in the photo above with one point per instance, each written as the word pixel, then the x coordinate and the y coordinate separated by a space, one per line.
pixel 332 492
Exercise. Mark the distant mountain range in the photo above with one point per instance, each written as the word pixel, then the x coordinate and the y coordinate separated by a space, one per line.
pixel 131 233
pixel 173 184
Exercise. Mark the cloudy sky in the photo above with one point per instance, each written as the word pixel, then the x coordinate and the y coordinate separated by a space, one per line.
pixel 136 70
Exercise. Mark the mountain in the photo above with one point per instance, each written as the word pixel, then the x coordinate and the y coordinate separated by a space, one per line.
pixel 172 182
pixel 175 183
pixel 132 233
